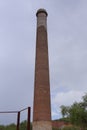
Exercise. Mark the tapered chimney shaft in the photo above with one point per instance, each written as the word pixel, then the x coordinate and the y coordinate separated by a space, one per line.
pixel 42 105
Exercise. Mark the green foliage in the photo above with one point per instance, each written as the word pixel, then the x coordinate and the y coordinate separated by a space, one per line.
pixel 23 126
pixel 64 110
pixel 67 128
pixel 10 127
pixel 55 129
pixel 2 127
pixel 71 128
pixel 76 113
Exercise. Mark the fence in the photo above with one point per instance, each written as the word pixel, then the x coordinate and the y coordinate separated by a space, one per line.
pixel 18 117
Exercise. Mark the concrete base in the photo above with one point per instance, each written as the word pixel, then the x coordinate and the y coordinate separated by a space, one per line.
pixel 42 125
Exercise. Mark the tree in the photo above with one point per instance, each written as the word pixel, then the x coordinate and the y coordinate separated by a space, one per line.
pixel 64 110
pixel 84 103
pixel 77 112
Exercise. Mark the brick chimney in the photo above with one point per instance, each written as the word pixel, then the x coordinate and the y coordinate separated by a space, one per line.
pixel 42 105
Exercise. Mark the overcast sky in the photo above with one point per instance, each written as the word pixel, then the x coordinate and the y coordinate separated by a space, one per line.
pixel 67 41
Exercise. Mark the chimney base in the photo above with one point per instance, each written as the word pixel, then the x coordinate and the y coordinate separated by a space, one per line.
pixel 42 125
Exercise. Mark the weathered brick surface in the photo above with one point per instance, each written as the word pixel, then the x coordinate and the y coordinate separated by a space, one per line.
pixel 60 124
pixel 42 107
pixel 42 125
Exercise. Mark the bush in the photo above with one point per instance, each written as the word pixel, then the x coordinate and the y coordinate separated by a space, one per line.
pixel 70 128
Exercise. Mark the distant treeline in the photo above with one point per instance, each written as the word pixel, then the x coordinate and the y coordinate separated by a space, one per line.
pixel 23 126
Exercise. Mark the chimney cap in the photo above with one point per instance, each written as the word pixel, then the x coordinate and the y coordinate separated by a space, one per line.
pixel 41 11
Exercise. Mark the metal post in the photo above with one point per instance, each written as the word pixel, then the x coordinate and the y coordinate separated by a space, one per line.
pixel 18 120
pixel 28 119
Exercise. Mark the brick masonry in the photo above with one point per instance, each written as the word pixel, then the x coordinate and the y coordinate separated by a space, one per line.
pixel 60 124
pixel 42 125
pixel 42 105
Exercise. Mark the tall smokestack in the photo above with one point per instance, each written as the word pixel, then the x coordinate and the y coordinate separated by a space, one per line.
pixel 42 105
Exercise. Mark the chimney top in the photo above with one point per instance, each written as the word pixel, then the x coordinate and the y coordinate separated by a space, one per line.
pixel 41 11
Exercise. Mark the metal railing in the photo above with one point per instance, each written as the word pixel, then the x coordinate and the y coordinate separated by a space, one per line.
pixel 18 116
